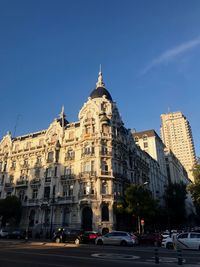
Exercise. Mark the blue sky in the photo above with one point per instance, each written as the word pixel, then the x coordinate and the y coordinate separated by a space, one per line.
pixel 50 51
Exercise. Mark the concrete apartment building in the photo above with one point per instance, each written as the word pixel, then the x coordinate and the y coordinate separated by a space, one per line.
pixel 150 142
pixel 170 168
pixel 176 134
pixel 73 174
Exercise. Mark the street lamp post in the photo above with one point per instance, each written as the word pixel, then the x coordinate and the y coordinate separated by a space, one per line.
pixel 27 223
pixel 51 219
pixel 139 221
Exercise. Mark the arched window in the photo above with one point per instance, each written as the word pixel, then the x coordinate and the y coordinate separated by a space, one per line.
pixel 105 213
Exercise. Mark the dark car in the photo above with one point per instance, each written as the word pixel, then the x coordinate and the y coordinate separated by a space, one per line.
pixel 150 239
pixel 19 234
pixel 68 235
pixel 89 237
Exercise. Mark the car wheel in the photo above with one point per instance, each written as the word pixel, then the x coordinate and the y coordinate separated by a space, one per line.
pixel 100 242
pixel 57 240
pixel 123 243
pixel 169 245
pixel 77 241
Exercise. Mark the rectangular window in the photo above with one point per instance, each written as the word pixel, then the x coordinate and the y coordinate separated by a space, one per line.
pixel 35 193
pixel 50 157
pixel 47 192
pixel 145 144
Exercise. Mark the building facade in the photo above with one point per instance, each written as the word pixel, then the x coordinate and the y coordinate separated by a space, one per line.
pixel 176 134
pixel 150 142
pixel 73 174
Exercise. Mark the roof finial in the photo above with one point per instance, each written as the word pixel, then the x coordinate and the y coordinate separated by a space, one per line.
pixel 100 82
pixel 62 113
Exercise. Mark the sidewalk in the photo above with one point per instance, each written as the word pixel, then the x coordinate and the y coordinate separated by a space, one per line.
pixel 35 242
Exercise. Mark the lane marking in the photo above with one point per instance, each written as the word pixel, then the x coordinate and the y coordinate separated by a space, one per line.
pixel 166 260
pixel 115 256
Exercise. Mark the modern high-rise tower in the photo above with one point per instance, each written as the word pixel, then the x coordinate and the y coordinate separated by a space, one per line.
pixel 177 136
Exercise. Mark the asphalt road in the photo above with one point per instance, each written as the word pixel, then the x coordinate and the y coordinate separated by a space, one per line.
pixel 17 254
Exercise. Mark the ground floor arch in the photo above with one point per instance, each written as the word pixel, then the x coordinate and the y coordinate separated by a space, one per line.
pixel 87 218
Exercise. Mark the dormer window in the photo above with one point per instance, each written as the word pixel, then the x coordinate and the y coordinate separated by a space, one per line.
pixel 145 137
pixel 136 139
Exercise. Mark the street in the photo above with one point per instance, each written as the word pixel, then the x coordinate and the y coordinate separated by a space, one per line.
pixel 21 254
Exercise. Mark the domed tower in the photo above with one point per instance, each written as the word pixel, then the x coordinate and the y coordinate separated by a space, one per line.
pixel 103 146
pixel 96 179
pixel 100 90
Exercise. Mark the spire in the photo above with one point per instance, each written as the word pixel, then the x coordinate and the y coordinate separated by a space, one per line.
pixel 100 82
pixel 62 113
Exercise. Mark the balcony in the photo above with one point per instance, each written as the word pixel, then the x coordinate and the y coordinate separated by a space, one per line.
pixel 107 196
pixel 35 183
pixel 105 153
pixel 69 158
pixel 33 202
pixel 21 183
pixel 47 180
pixel 9 186
pixel 87 174
pixel 106 173
pixel 88 154
pixel 106 135
pixel 88 196
pixel 65 178
pixel 65 200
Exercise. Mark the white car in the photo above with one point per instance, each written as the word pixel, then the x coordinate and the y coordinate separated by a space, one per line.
pixel 167 242
pixel 117 238
pixel 3 233
pixel 189 240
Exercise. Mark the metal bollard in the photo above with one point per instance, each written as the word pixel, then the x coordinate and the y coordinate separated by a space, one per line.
pixel 156 255
pixel 180 258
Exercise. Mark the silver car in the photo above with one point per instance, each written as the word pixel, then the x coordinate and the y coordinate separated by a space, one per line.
pixel 189 240
pixel 3 233
pixel 167 242
pixel 117 238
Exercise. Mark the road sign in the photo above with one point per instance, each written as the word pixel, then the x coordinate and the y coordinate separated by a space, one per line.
pixel 142 222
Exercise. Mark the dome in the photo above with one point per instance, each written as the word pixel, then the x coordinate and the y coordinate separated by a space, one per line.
pixel 100 92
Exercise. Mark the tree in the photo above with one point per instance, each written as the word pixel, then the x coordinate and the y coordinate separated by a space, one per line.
pixel 194 188
pixel 10 210
pixel 140 203
pixel 175 195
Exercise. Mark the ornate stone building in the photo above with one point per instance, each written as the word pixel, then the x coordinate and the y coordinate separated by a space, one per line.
pixel 72 174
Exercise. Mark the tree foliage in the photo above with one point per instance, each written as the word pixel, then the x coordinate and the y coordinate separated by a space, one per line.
pixel 194 188
pixel 10 210
pixel 140 202
pixel 175 195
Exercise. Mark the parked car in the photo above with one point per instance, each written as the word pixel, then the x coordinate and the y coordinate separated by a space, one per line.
pixel 68 235
pixel 116 238
pixel 189 240
pixel 167 242
pixel 3 233
pixel 151 239
pixel 18 234
pixel 89 237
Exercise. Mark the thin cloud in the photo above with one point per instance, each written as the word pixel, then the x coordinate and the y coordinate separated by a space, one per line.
pixel 171 54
